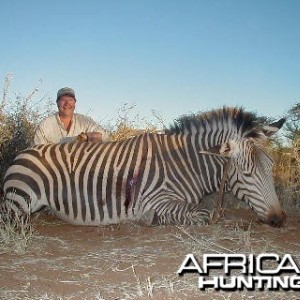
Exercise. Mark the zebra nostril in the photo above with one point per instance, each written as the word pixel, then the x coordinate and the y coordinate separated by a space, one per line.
pixel 276 220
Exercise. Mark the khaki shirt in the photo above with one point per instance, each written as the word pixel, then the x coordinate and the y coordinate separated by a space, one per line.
pixel 52 130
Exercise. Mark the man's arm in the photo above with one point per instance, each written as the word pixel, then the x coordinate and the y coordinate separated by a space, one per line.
pixel 95 136
pixel 91 131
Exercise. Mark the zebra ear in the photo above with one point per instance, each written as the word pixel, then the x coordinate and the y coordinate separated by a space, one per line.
pixel 272 128
pixel 226 149
pixel 214 150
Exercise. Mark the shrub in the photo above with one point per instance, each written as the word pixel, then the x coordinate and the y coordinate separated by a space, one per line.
pixel 128 123
pixel 19 117
pixel 287 174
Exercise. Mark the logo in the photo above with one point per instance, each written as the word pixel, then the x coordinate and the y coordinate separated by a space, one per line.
pixel 266 271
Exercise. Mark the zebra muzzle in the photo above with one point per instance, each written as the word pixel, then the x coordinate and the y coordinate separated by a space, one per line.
pixel 277 220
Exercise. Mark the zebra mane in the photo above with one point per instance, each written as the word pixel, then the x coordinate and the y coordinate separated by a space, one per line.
pixel 244 122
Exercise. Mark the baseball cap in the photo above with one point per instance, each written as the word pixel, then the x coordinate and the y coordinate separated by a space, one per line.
pixel 65 91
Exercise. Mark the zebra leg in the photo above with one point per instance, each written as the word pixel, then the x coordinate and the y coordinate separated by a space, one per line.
pixel 177 213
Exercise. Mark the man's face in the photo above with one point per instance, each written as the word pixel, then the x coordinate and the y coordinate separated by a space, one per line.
pixel 66 106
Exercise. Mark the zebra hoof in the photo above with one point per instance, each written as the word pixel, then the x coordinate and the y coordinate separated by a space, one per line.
pixel 149 218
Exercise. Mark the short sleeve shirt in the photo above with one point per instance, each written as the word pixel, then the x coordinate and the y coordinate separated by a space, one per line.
pixel 52 130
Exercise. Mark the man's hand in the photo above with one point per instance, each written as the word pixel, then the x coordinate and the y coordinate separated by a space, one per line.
pixel 89 137
pixel 82 137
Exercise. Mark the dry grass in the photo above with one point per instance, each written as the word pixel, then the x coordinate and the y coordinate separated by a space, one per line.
pixel 112 263
pixel 16 231
pixel 129 123
pixel 287 175
pixel 19 117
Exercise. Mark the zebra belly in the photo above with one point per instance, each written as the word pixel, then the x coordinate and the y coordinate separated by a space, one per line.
pixel 81 213
pixel 82 222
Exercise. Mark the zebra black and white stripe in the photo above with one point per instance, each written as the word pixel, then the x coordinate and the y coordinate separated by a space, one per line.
pixel 159 178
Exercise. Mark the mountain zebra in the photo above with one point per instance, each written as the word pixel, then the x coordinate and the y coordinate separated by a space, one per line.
pixel 159 178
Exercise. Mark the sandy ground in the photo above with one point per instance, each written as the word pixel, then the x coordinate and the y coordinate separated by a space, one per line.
pixel 129 261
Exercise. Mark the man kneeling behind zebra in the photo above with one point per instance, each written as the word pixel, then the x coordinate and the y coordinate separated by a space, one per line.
pixel 160 178
pixel 65 125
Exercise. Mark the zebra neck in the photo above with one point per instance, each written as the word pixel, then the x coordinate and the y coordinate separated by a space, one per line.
pixel 210 165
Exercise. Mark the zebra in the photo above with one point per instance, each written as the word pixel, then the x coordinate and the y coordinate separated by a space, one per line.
pixel 153 178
